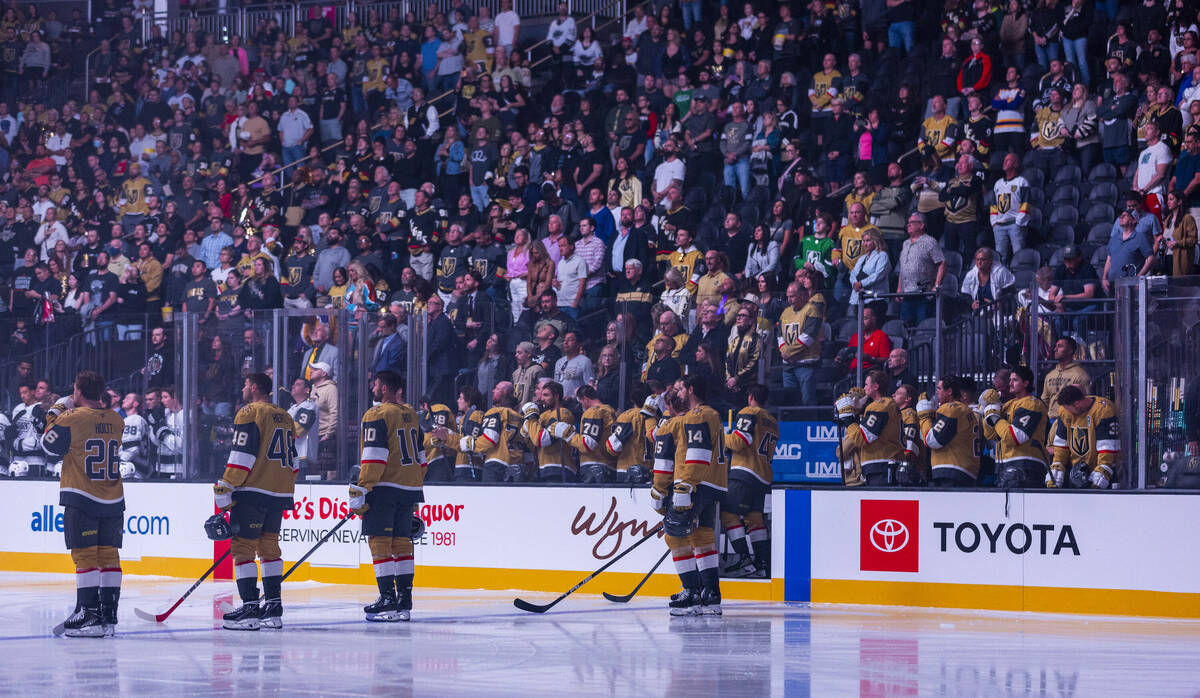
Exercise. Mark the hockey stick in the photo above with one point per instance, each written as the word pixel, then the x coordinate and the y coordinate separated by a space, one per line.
pixel 630 595
pixel 160 617
pixel 227 607
pixel 535 608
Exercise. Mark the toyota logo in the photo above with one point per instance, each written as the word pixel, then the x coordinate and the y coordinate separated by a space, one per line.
pixel 889 536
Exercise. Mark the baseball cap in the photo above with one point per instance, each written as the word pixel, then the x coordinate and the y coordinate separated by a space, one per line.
pixel 322 366
pixel 1072 252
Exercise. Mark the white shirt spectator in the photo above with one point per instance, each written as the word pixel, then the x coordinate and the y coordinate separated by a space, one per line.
pixel 507 23
pixel 668 171
pixel 571 270
pixel 561 31
pixel 635 27
pixel 1000 279
pixel 293 124
pixel 58 141
pixel 1148 162
pixel 573 372
pixel 48 235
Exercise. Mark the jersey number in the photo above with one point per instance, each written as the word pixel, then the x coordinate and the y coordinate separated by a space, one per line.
pixel 766 448
pixel 283 448
pixel 590 429
pixel 101 460
pixel 404 436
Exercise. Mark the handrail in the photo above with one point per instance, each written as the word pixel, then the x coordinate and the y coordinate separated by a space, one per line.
pixel 529 49
pixel 87 65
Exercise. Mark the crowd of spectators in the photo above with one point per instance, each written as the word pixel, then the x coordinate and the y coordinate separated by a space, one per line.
pixel 694 189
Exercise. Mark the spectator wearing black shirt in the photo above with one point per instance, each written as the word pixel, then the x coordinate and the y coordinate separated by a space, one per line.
pixel 200 293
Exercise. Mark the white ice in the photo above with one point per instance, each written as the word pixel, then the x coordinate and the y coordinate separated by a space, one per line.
pixel 477 643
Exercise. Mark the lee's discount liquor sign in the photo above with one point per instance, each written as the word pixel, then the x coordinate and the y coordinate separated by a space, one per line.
pixel 806 452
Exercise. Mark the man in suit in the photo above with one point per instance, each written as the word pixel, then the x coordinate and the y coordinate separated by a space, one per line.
pixel 440 348
pixel 391 351
pixel 628 243
pixel 322 352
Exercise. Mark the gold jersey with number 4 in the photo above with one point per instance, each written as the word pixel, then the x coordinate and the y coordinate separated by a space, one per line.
pixel 263 458
pixel 89 441
pixel 752 443
pixel 392 451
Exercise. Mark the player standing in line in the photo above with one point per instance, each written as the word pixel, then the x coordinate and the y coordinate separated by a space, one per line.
pixel 689 459
pixel 952 434
pixel 466 464
pixel 88 439
pixel 631 440
pixel 256 488
pixel 911 470
pixel 387 494
pixel 499 441
pixel 875 437
pixel 752 445
pixel 1087 440
pixel 441 458
pixel 555 457
pixel 596 463
pixel 1019 430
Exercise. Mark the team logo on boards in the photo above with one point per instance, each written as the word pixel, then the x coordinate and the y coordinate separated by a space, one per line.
pixel 889 535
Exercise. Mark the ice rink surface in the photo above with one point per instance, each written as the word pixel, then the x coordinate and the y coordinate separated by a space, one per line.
pixel 477 643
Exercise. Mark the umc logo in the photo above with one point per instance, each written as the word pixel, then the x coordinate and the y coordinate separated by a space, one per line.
pixel 888 535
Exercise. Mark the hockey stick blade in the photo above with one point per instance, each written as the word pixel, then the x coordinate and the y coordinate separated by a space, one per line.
pixel 160 617
pixel 542 608
pixel 626 598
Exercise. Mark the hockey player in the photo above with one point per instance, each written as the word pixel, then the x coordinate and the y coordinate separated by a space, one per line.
pixel 1019 430
pixel 88 439
pixel 388 491
pixel 441 459
pixel 1087 440
pixel 911 470
pixel 690 481
pixel 752 445
pixel 466 464
pixel 950 430
pixel 256 488
pixel 555 457
pixel 304 413
pixel 632 440
pixel 875 436
pixel 29 422
pixel 596 463
pixel 135 440
pixel 499 443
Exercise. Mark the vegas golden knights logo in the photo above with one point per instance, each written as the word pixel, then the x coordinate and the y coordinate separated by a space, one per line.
pixel 1049 129
pixel 1004 202
pixel 294 275
pixel 854 247
pixel 481 266
pixel 791 332
pixel 1080 445
pixel 684 271
pixel 448 265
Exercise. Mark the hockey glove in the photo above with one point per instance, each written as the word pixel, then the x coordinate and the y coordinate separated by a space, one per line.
pixel 1056 475
pixel 658 500
pixel 681 496
pixel 1100 477
pixel 529 410
pixel 925 405
pixel 358 500
pixel 562 431
pixel 846 408
pixel 466 444
pixel 223 495
pixel 989 397
pixel 991 414
pixel 65 404
pixel 650 407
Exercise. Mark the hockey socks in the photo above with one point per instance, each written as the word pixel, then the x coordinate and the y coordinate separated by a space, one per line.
pixel 246 573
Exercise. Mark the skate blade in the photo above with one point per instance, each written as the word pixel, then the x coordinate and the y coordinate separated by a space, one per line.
pixel 242 624
pixel 385 617
pixel 92 631
pixel 710 610
pixel 690 611
pixel 271 623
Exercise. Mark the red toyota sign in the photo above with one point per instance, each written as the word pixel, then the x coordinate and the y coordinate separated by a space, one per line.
pixel 888 535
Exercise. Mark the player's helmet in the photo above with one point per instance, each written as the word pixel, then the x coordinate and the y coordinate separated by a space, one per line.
pixel 217 528
pixel 127 470
pixel 1078 477
pixel 55 469
pixel 18 468
pixel 417 531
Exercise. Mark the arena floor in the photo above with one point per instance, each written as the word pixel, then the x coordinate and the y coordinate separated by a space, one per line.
pixel 477 643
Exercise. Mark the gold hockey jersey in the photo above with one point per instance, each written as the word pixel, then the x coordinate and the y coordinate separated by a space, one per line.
pixel 1020 432
pixel 631 440
pixel 392 451
pixel 699 458
pixel 89 441
pixel 499 440
pixel 664 454
pixel 263 458
pixel 591 440
pixel 690 265
pixel 1093 438
pixel 800 330
pixel 876 436
pixel 910 435
pixel 439 416
pixel 551 452
pixel 752 443
pixel 469 424
pixel 952 435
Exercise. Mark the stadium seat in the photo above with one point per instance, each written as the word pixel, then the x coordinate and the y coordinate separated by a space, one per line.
pixel 1104 191
pixel 1047 251
pixel 1098 212
pixel 1037 198
pixel 1035 177
pixel 1067 174
pixel 1061 234
pixel 1036 219
pixel 1098 256
pixel 1103 172
pixel 1064 214
pixel 1025 278
pixel 1066 194
pixel 1100 232
pixel 954 262
pixel 1028 259
pixel 895 328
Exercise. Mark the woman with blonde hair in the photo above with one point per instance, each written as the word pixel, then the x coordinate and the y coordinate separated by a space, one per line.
pixel 517 271
pixel 539 274
pixel 1179 235
pixel 873 269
